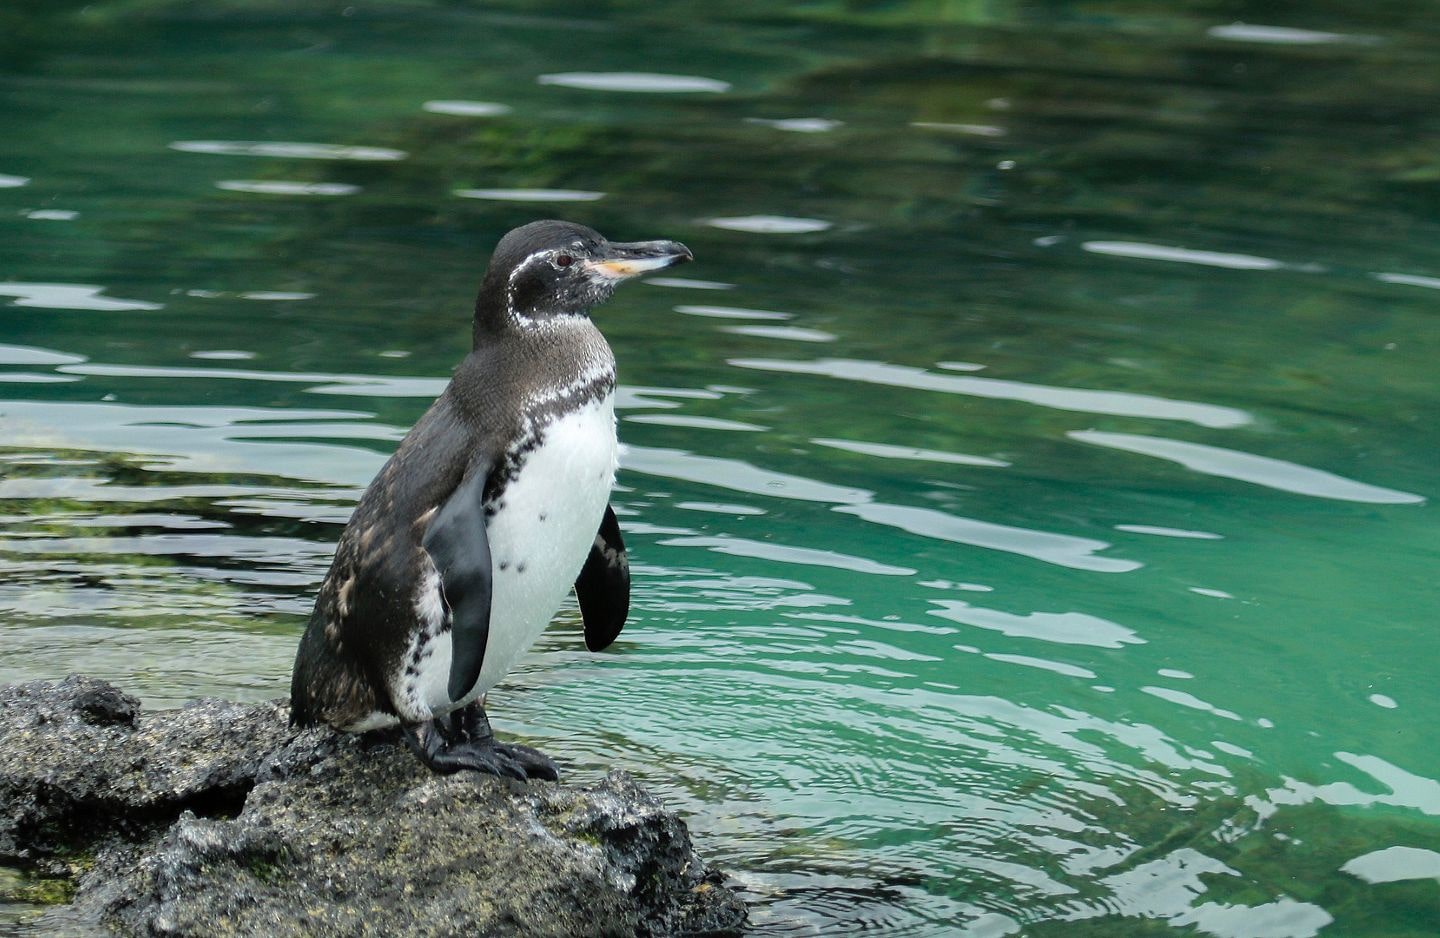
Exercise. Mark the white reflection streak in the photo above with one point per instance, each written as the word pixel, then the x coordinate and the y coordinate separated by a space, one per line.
pixel 890 451
pixel 1409 280
pixel 285 150
pixel 1085 400
pixel 644 82
pixel 1246 467
pixel 70 296
pixel 1062 628
pixel 1160 252
pixel 1394 864
pixel 784 553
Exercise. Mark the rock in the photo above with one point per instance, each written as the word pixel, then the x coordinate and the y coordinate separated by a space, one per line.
pixel 218 819
pixel 79 763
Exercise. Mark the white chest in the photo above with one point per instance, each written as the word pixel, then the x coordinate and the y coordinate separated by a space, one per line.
pixel 541 531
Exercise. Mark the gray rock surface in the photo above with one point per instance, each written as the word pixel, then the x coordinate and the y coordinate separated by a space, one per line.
pixel 217 819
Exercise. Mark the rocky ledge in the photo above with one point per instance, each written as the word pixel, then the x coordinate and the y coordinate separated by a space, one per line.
pixel 218 819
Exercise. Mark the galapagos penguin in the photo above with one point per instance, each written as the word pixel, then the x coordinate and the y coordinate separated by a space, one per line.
pixel 495 502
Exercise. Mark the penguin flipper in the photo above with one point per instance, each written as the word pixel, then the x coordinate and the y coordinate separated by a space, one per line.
pixel 603 586
pixel 460 549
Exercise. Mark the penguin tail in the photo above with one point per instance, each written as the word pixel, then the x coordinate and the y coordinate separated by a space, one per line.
pixel 302 709
pixel 299 700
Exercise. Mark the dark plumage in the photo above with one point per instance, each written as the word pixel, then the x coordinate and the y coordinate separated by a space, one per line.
pixel 492 505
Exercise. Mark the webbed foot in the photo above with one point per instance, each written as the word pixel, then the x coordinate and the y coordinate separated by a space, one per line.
pixel 464 740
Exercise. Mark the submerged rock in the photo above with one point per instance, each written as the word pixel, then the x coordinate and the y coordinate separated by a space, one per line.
pixel 218 819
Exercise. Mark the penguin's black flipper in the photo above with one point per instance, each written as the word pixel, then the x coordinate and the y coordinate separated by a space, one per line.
pixel 603 586
pixel 460 550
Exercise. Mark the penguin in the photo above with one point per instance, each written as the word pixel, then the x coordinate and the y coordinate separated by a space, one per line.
pixel 467 541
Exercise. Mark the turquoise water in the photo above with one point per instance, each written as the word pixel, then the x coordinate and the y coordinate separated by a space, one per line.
pixel 1030 486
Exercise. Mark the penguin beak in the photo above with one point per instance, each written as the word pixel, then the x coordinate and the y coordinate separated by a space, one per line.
pixel 623 261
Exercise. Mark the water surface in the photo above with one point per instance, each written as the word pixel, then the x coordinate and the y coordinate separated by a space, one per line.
pixel 1030 488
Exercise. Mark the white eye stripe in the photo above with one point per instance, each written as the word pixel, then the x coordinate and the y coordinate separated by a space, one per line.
pixel 515 274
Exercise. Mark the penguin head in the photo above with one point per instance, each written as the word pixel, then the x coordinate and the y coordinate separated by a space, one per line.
pixel 551 270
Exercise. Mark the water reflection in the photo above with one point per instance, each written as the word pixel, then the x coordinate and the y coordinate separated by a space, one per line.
pixel 70 296
pixel 1409 280
pixel 645 82
pixel 890 451
pixel 1078 553
pixel 1395 864
pixel 798 125
pixel 531 195
pixel 1280 35
pixel 1065 628
pixel 781 553
pixel 281 150
pixel 467 108
pixel 1246 467
pixel 283 187
pixel 686 283
pixel 784 333
pixel 208 439
pixel 1161 252
pixel 27 355
pixel 770 224
pixel 1161 531
pixel 1119 403
pixel 731 312
pixel 694 422
pixel 736 475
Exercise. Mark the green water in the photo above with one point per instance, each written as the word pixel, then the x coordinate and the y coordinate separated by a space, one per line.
pixel 1032 506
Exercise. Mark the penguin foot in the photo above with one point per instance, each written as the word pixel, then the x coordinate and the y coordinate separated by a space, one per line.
pixel 468 743
pixel 533 762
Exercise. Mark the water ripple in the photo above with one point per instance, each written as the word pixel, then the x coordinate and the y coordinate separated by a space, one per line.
pixel 1409 280
pixel 695 422
pixel 785 333
pixel 783 553
pixel 1161 252
pixel 1281 35
pixel 1159 531
pixel 645 82
pixel 1063 628
pixel 286 187
pixel 467 108
pixel 531 195
pixel 798 125
pixel 1078 553
pixel 302 151
pixel 731 312
pixel 263 441
pixel 1185 699
pixel 1246 467
pixel 686 283
pixel 736 475
pixel 30 355
pixel 1117 403
pixel 70 296
pixel 1395 864
pixel 890 451
pixel 770 224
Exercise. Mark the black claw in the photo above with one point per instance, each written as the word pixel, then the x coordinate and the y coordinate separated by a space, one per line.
pixel 534 762
pixel 464 740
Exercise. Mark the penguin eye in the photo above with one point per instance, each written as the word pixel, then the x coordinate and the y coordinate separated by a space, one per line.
pixel 563 260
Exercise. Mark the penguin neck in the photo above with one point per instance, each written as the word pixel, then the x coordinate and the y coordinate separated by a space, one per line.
pixel 556 350
pixel 495 321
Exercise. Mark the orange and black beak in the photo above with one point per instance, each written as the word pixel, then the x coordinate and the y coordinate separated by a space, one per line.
pixel 625 260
